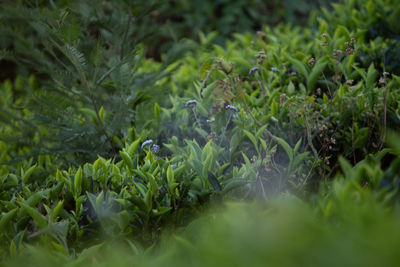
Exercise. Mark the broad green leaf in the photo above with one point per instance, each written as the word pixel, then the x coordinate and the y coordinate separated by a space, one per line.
pixel 13 250
pixel 233 184
pixel 261 130
pixel 5 218
pixel 235 141
pixel 57 209
pixel 315 75
pixel 149 202
pixel 346 167
pixel 36 216
pixel 286 147
pixel 361 72
pixel 341 31
pixel 300 66
pixel 252 138
pixel 28 173
pixel 214 182
pixel 32 201
pixel 78 181
pixel 372 74
pixel 297 146
pixel 170 175
pixel 127 160
pixel 161 211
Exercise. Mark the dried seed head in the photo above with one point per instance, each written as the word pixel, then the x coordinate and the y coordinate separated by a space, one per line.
pixel 212 136
pixel 282 98
pixel 336 77
pixel 323 128
pixel 349 51
pixel 311 62
pixel 261 34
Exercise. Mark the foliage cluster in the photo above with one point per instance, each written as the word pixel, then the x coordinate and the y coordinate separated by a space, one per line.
pixel 99 142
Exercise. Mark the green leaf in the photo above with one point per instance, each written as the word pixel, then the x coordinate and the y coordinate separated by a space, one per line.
pixel 28 173
pixel 161 211
pixel 315 74
pixel 346 167
pixel 156 112
pixel 5 218
pixel 99 199
pixel 133 147
pixel 101 114
pixel 127 160
pixel 286 147
pixel 300 66
pixel 361 72
pixel 233 184
pixel 252 138
pixel 205 68
pixel 371 76
pixel 214 182
pixel 235 141
pixel 149 202
pixel 78 181
pixel 36 216
pixel 208 164
pixel 13 250
pixel 32 201
pixel 57 209
pixel 341 31
pixel 261 130
pixel 246 160
pixel 170 175
pixel 297 146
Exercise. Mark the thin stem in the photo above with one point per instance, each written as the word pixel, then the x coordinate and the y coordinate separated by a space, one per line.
pixel 196 118
pixel 384 105
pixel 309 138
pixel 226 127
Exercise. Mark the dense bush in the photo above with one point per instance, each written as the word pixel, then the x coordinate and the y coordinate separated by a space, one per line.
pixel 80 75
pixel 103 147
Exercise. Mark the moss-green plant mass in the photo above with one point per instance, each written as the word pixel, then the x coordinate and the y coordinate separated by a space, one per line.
pixel 201 133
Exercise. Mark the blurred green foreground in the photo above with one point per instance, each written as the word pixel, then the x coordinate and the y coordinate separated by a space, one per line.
pixel 345 230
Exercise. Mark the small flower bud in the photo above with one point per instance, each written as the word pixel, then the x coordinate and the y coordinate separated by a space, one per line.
pixel 230 107
pixel 191 103
pixel 147 142
pixel 253 70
